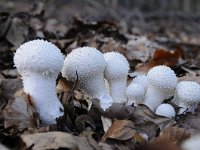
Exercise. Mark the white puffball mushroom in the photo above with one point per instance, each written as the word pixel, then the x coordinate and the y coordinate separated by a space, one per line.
pixel 135 93
pixel 116 73
pixel 142 80
pixel 192 143
pixel 187 96
pixel 166 110
pixel 89 64
pixel 39 63
pixel 162 82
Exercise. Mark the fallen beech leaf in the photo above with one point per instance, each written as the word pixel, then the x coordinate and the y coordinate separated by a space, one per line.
pixel 10 86
pixel 176 134
pixel 107 122
pixel 162 57
pixel 56 140
pixel 160 143
pixel 19 112
pixel 120 130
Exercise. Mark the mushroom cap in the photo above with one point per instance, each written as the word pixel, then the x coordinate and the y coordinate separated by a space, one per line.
pixel 86 61
pixel 117 66
pixel 188 91
pixel 142 80
pixel 135 90
pixel 38 56
pixel 166 110
pixel 162 77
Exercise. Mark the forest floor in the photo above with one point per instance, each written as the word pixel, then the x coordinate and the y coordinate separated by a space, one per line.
pixel 147 40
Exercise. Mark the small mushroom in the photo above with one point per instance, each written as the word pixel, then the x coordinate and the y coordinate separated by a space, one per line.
pixel 166 110
pixel 135 93
pixel 39 62
pixel 89 64
pixel 187 96
pixel 116 73
pixel 162 82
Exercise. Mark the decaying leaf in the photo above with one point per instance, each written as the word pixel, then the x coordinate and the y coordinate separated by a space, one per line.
pixel 176 134
pixel 19 112
pixel 10 86
pixel 107 122
pixel 162 57
pixel 120 130
pixel 56 140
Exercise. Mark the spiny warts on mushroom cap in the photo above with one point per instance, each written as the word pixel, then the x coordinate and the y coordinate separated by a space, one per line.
pixel 165 110
pixel 142 80
pixel 38 56
pixel 86 61
pixel 188 91
pixel 135 90
pixel 162 77
pixel 117 66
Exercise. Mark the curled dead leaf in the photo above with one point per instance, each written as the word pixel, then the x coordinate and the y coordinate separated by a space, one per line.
pixel 56 140
pixel 19 112
pixel 120 130
pixel 176 134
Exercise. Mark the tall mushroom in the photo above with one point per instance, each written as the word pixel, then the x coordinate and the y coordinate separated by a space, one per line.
pixel 89 64
pixel 187 96
pixel 162 82
pixel 116 73
pixel 39 62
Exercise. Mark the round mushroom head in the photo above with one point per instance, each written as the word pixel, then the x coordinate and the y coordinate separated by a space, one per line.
pixel 135 93
pixel 86 61
pixel 166 110
pixel 188 91
pixel 142 80
pixel 38 56
pixel 117 66
pixel 163 78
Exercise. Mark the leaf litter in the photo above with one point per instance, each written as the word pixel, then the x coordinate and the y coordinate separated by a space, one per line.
pixel 81 127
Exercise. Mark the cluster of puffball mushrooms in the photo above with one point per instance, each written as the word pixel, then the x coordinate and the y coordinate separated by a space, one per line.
pixel 39 62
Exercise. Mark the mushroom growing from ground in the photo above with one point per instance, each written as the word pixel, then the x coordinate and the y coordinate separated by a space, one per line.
pixel 135 94
pixel 162 82
pixel 187 96
pixel 166 110
pixel 39 63
pixel 116 73
pixel 88 64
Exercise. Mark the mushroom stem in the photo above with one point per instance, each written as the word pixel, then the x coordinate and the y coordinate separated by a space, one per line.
pixel 89 86
pixel 153 97
pixel 118 90
pixel 42 90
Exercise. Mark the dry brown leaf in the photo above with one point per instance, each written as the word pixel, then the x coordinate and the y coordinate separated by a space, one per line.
pixel 10 86
pixel 160 143
pixel 107 123
pixel 176 134
pixel 162 57
pixel 120 130
pixel 56 140
pixel 19 112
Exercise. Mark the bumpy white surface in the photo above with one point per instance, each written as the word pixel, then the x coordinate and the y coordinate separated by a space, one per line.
pixel 39 63
pixel 90 64
pixel 142 80
pixel 105 101
pixel 116 72
pixel 135 93
pixel 192 143
pixel 166 110
pixel 162 82
pixel 187 95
